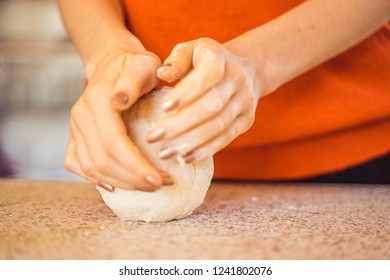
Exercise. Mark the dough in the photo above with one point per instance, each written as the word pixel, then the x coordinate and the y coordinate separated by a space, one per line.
pixel 191 181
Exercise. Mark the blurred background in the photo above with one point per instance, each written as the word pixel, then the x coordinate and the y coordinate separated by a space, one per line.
pixel 41 76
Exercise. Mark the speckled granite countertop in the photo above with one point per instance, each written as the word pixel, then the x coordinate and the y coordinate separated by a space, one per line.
pixel 63 220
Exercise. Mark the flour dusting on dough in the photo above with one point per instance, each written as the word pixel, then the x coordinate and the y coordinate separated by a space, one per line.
pixel 191 181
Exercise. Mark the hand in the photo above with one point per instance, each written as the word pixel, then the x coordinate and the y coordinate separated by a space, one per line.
pixel 213 103
pixel 99 148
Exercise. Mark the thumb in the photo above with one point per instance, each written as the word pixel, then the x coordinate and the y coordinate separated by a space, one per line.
pixel 178 63
pixel 135 81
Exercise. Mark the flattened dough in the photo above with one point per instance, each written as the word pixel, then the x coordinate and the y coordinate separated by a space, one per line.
pixel 168 203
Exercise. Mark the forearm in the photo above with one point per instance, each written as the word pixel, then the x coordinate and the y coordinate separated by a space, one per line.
pixel 95 27
pixel 309 35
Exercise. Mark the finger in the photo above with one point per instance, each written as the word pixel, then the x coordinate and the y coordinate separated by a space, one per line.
pixel 239 126
pixel 71 162
pixel 112 133
pixel 107 170
pixel 206 74
pixel 134 81
pixel 126 162
pixel 208 130
pixel 206 107
pixel 178 63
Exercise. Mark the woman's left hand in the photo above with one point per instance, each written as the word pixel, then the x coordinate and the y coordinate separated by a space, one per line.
pixel 213 103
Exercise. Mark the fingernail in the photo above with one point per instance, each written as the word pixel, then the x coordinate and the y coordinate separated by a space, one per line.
pixel 155 135
pixel 146 189
pixel 152 181
pixel 120 101
pixel 105 186
pixel 167 153
pixel 166 178
pixel 164 68
pixel 191 157
pixel 167 181
pixel 170 104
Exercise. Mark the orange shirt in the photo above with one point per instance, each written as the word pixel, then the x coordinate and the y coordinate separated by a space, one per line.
pixel 333 117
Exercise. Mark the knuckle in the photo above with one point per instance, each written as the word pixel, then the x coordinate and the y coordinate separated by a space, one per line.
pixel 75 112
pixel 204 41
pixel 211 46
pixel 207 49
pixel 151 60
pixel 235 108
pixel 214 103
pixel 250 120
pixel 92 92
pixel 247 121
pixel 232 132
pixel 240 125
pixel 222 123
pixel 208 43
pixel 88 169
pixel 92 89
pixel 101 165
pixel 108 144
pixel 247 100
pixel 205 152
pixel 69 164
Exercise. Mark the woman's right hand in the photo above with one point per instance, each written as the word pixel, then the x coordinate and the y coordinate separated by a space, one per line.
pixel 99 149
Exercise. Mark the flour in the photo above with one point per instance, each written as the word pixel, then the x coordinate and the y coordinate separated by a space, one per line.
pixel 191 181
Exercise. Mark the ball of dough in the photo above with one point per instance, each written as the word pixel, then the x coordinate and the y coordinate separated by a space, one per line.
pixel 191 181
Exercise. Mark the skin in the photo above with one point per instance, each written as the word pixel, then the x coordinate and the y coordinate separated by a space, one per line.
pixel 219 84
pixel 99 149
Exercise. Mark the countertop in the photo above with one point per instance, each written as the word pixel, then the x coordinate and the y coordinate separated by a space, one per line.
pixel 69 220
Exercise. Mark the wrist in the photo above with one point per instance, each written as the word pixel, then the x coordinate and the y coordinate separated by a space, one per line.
pixel 269 75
